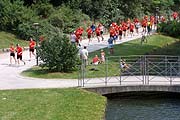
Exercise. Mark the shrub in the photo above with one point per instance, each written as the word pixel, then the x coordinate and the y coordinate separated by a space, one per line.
pixel 171 28
pixel 58 54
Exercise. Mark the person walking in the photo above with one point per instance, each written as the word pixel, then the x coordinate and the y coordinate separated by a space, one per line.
pixel 84 55
pixel 19 50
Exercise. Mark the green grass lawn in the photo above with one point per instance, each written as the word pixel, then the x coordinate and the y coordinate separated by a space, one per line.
pixel 154 43
pixel 7 38
pixel 51 104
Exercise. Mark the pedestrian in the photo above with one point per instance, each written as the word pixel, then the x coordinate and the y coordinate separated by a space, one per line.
pixel 31 47
pixel 19 50
pixel 84 55
pixel 102 56
pixel 73 38
pixel 110 45
pixel 12 53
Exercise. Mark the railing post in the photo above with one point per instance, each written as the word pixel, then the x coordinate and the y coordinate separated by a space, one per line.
pixel 106 68
pixel 178 65
pixel 83 70
pixel 79 76
pixel 170 73
pixel 120 70
pixel 145 66
pixel 166 67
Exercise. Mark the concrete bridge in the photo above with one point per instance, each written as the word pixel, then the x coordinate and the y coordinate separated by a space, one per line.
pixel 144 74
pixel 134 88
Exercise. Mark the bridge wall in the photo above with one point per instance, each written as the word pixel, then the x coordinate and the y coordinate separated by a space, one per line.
pixel 138 88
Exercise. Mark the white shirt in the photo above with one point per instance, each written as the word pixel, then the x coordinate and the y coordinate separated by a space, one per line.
pixel 84 54
pixel 73 38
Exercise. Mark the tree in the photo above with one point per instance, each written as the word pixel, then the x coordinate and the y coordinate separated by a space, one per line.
pixel 58 54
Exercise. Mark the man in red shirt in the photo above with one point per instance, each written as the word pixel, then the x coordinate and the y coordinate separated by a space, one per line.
pixel 12 53
pixel 131 27
pixel 120 32
pixel 144 25
pixel 98 33
pixel 89 33
pixel 19 50
pixel 31 47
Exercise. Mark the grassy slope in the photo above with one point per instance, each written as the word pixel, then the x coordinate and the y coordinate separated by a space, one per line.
pixel 155 43
pixel 7 38
pixel 51 104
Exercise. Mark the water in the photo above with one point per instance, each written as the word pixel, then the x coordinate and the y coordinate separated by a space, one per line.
pixel 143 109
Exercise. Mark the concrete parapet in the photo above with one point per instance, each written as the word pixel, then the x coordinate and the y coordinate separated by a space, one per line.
pixel 133 88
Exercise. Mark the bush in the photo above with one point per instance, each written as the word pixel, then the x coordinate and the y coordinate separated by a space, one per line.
pixel 58 54
pixel 171 28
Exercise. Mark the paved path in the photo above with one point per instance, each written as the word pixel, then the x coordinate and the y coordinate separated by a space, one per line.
pixel 10 77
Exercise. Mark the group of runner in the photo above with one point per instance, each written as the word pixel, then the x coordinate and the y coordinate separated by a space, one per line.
pixel 123 29
pixel 19 50
pixel 116 32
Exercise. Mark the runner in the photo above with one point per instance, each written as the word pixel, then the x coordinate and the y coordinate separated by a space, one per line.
pixel 131 28
pixel 128 23
pixel 102 30
pixel 89 33
pixel 137 25
pixel 12 53
pixel 124 27
pixel 144 25
pixel 98 33
pixel 93 27
pixel 31 47
pixel 112 32
pixel 152 20
pixel 19 50
pixel 120 32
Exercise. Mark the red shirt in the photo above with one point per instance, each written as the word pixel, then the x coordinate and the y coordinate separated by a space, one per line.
pixel 31 44
pixel 146 18
pixel 144 23
pixel 89 31
pixel 19 50
pixel 112 31
pixel 98 30
pixel 95 59
pixel 12 49
pixel 136 20
pixel 131 26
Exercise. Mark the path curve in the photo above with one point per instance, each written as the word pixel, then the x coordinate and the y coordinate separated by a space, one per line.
pixel 10 77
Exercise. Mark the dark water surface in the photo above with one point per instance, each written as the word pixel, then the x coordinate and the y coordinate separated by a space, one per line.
pixel 143 109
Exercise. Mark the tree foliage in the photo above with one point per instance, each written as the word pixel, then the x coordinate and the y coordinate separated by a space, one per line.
pixel 58 54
